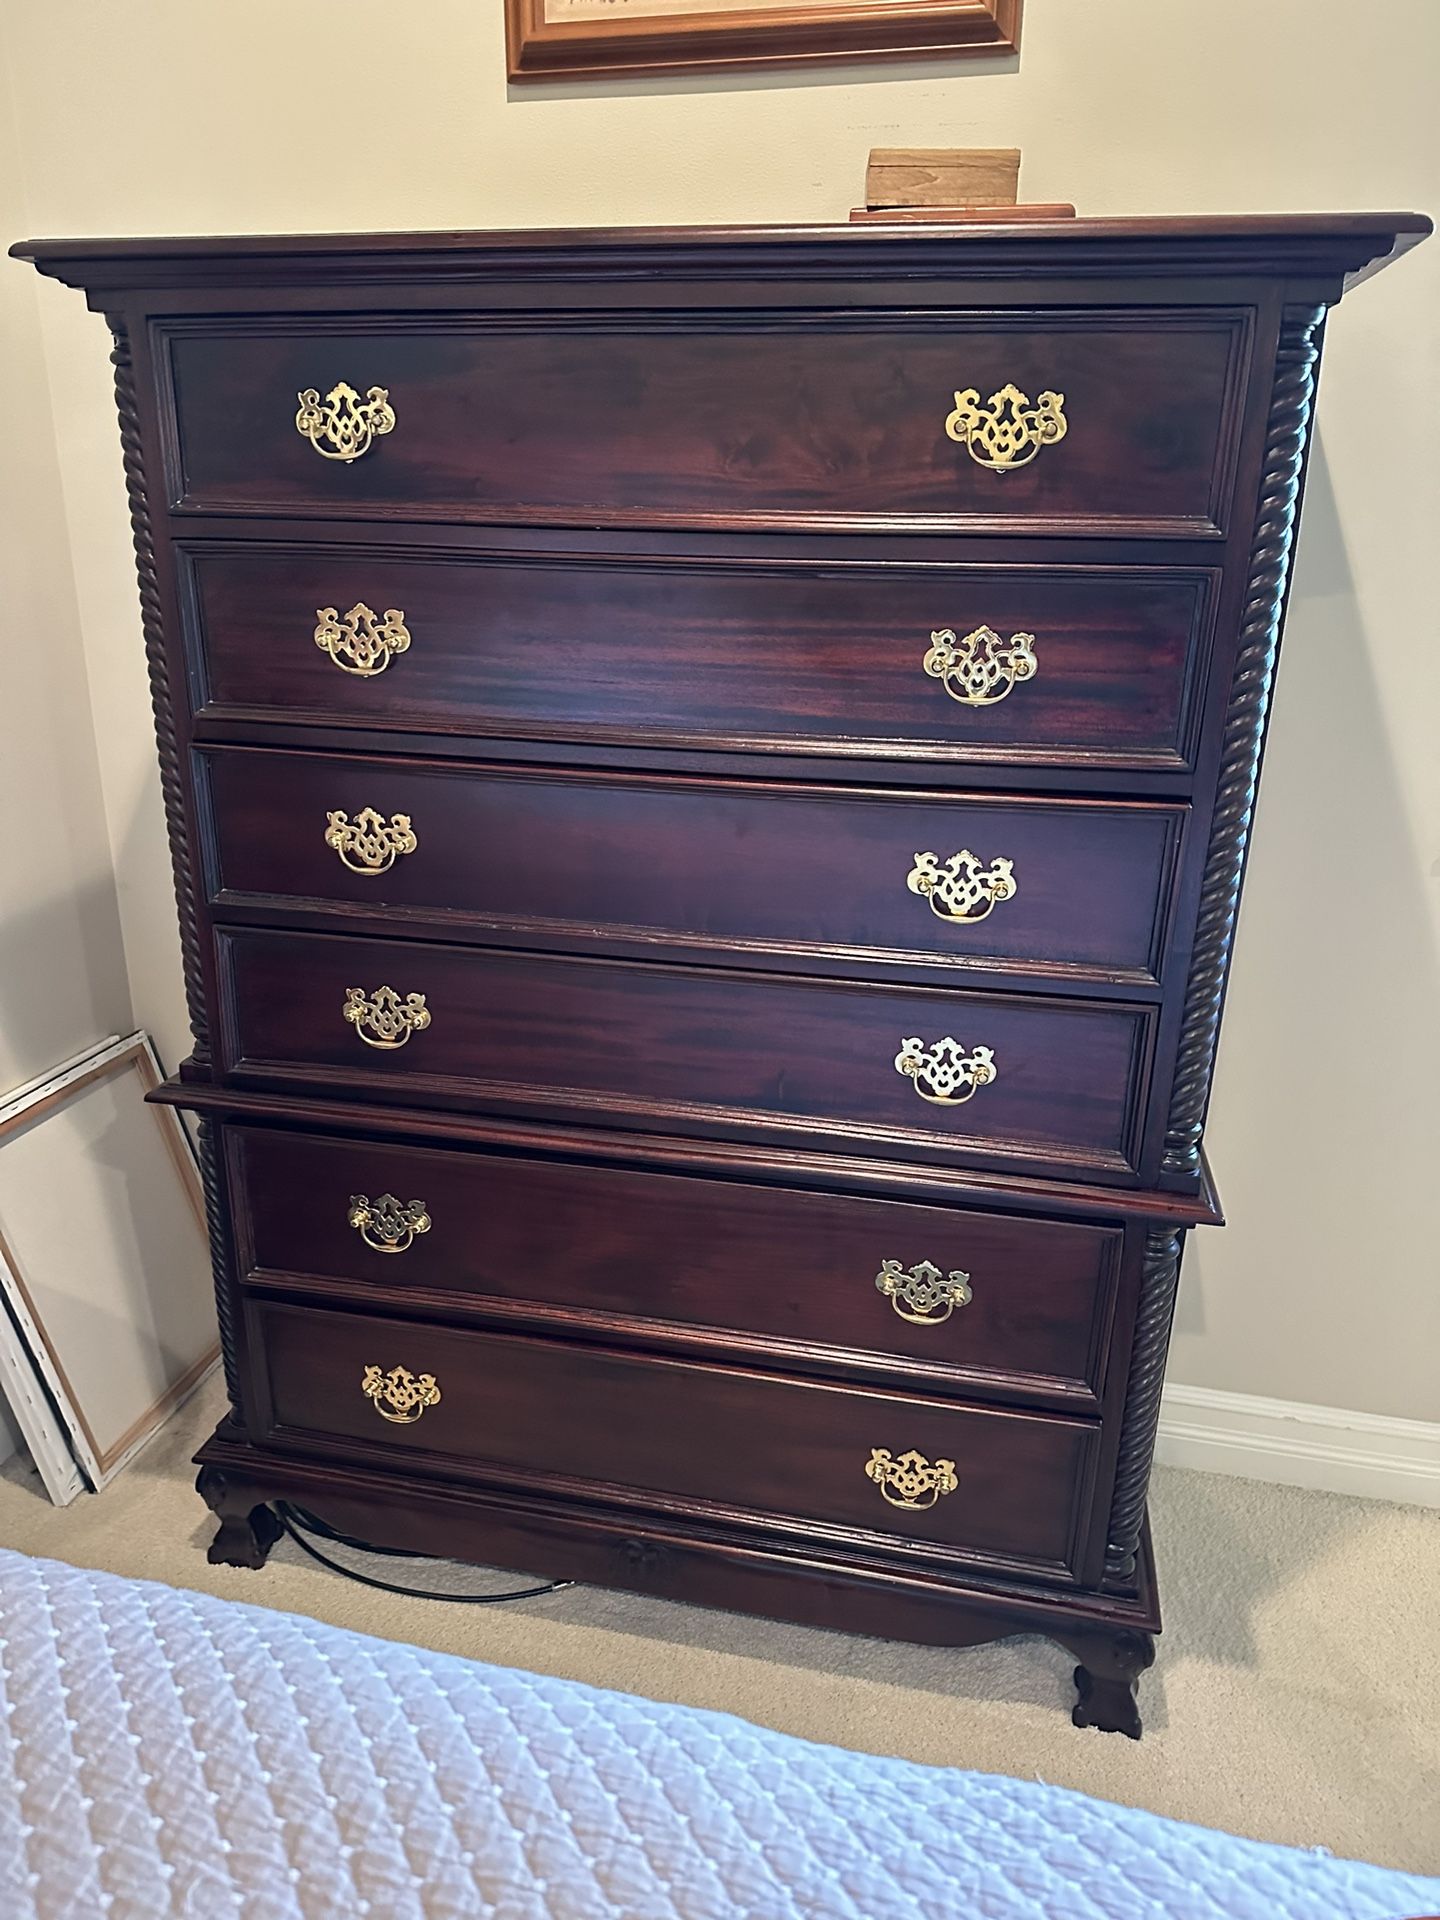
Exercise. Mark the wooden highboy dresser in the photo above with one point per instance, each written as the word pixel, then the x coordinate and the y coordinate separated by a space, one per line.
pixel 709 773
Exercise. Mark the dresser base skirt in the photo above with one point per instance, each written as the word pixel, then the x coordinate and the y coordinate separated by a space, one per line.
pixel 1109 1632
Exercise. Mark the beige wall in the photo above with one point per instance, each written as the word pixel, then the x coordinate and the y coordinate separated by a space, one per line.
pixel 168 116
pixel 62 970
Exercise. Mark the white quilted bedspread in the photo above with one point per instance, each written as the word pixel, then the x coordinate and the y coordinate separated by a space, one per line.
pixel 166 1753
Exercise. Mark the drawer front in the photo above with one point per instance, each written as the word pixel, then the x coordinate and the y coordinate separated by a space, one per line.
pixel 799 657
pixel 988 1303
pixel 723 870
pixel 544 1415
pixel 1118 421
pixel 685 1049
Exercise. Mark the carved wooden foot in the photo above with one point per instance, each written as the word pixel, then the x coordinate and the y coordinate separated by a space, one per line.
pixel 1106 1679
pixel 248 1528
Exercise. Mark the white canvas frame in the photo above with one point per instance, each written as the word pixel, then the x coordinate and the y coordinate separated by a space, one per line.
pixel 99 1458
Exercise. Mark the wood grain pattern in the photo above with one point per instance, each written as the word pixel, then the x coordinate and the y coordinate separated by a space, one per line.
pixel 538 1413
pixel 819 656
pixel 748 873
pixel 942 177
pixel 691 1050
pixel 760 1272
pixel 726 421
pixel 670 516
pixel 747 33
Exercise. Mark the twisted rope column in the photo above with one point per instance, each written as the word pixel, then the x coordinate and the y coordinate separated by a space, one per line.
pixel 1286 436
pixel 177 826
pixel 152 621
pixel 1160 1276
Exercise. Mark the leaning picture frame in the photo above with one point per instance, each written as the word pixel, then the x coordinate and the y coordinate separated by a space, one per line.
pixel 105 1285
pixel 559 39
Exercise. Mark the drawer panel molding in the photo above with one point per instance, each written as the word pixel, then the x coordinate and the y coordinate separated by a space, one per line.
pixel 1066 892
pixel 920 1477
pixel 995 1305
pixel 691 1049
pixel 704 1032
pixel 1103 668
pixel 842 420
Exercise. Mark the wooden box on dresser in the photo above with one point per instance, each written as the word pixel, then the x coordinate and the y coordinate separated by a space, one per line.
pixel 709 773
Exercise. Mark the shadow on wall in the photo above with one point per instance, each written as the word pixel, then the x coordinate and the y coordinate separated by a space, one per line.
pixel 1331 1049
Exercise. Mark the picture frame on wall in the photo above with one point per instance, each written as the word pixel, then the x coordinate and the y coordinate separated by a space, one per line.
pixel 571 39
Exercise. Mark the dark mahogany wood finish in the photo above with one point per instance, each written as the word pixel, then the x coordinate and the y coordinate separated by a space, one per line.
pixel 724 1442
pixel 670 519
pixel 736 419
pixel 758 653
pixel 748 872
pixel 708 1266
pixel 695 1050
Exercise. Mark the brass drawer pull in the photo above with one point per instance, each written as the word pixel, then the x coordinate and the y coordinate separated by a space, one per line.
pixel 1009 429
pixel 981 668
pixel 924 1296
pixel 962 889
pixel 945 1074
pixel 912 1481
pixel 346 422
pixel 383 1019
pixel 384 1224
pixel 400 1395
pixel 367 640
pixel 369 843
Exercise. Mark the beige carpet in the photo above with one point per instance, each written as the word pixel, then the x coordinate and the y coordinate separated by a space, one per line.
pixel 1296 1696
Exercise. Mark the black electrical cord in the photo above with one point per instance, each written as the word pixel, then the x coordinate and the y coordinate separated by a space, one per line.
pixel 296 1522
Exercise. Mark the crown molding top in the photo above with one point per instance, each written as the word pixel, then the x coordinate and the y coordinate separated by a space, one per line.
pixel 1343 247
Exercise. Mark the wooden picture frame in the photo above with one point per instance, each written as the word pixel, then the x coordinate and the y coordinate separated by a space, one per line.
pixel 564 39
pixel 104 1260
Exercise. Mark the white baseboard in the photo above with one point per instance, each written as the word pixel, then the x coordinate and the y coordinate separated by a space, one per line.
pixel 1300 1446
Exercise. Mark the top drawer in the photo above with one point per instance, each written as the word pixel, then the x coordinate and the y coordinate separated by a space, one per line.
pixel 1065 422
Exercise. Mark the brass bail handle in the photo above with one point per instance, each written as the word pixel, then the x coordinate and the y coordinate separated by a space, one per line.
pixel 923 1295
pixel 962 890
pixel 1009 429
pixel 399 1395
pixel 342 426
pixel 911 1481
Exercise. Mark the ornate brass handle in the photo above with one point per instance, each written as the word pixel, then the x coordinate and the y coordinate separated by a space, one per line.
pixel 981 668
pixel 369 843
pixel 384 1224
pixel 367 641
pixel 400 1395
pixel 924 1296
pixel 382 1019
pixel 962 889
pixel 349 424
pixel 1009 429
pixel 912 1481
pixel 946 1074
